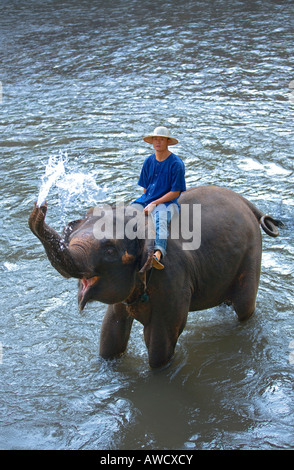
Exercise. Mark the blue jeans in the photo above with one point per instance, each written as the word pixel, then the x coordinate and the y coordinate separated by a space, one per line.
pixel 162 216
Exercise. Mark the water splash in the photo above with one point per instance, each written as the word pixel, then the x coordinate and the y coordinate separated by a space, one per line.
pixel 75 188
pixel 54 170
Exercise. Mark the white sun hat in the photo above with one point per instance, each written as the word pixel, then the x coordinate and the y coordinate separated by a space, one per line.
pixel 160 132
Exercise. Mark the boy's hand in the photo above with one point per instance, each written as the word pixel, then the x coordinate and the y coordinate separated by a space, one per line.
pixel 149 208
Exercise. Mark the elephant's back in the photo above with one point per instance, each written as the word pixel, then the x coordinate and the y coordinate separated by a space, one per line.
pixel 226 201
pixel 222 210
pixel 209 195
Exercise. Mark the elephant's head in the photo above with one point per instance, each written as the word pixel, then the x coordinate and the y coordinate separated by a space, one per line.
pixel 98 251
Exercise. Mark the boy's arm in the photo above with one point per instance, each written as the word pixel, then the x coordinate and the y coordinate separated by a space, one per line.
pixel 165 198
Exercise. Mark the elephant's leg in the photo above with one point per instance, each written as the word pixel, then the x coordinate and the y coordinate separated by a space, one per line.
pixel 115 331
pixel 161 335
pixel 160 346
pixel 245 290
pixel 244 307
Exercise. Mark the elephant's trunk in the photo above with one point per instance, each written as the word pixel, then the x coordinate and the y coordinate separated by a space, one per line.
pixel 59 255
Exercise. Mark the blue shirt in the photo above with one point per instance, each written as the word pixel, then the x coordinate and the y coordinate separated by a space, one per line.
pixel 159 178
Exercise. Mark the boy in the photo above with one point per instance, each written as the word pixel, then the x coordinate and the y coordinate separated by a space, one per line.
pixel 163 179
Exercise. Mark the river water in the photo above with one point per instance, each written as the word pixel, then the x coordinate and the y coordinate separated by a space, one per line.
pixel 88 79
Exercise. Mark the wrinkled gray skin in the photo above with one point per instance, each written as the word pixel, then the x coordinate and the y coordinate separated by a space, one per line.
pixel 225 269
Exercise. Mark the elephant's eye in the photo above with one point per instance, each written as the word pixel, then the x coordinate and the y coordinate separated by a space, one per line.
pixel 110 252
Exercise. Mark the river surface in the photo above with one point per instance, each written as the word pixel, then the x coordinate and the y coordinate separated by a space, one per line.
pixel 89 79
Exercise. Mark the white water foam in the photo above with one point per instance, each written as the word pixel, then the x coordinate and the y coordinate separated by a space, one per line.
pixel 74 187
pixel 54 170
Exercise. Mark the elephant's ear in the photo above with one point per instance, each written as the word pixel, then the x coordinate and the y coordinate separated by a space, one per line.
pixel 147 244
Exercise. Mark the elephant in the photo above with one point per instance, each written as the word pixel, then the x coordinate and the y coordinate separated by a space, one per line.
pixel 117 271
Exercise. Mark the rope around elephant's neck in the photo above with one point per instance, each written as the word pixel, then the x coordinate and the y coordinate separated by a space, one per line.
pixel 143 297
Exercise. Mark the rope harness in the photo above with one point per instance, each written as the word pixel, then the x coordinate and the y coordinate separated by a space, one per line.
pixel 143 297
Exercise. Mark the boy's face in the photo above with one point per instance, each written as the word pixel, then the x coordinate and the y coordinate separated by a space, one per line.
pixel 159 143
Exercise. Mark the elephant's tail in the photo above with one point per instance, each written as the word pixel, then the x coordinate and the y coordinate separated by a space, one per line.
pixel 267 223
